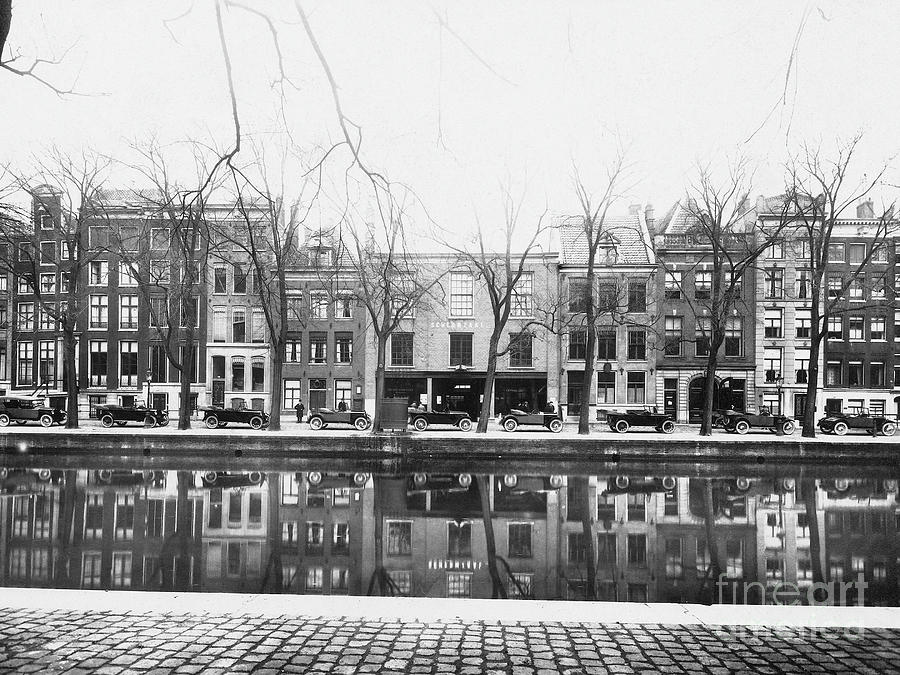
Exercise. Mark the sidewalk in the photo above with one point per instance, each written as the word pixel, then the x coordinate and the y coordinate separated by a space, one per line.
pixel 93 631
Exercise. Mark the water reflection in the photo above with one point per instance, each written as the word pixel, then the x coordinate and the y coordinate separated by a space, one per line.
pixel 580 537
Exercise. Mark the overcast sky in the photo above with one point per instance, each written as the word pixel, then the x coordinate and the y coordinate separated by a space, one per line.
pixel 504 92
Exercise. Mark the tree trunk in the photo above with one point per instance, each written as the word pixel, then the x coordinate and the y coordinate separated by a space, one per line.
pixel 66 525
pixel 812 390
pixel 584 415
pixel 484 487
pixel 808 487
pixel 277 369
pixel 183 527
pixel 489 377
pixel 712 545
pixel 187 369
pixel 275 481
pixel 69 371
pixel 378 575
pixel 587 532
pixel 712 362
pixel 380 357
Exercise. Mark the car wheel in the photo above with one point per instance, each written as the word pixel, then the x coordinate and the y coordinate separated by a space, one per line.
pixel 668 427
pixel 787 428
pixel 256 422
pixel 107 421
pixel 316 423
pixel 4 420
pixel 888 428
pixel 46 420
pixel 149 421
pixel 742 426
pixel 465 424
pixel 840 428
pixel 555 426
pixel 622 426
pixel 361 423
pixel 510 424
pixel 420 424
pixel 212 422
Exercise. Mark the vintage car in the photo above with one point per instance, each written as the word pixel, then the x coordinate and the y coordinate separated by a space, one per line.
pixel 126 477
pixel 22 410
pixel 516 418
pixel 742 422
pixel 26 481
pixel 121 415
pixel 322 417
pixel 648 417
pixel 422 419
pixel 226 479
pixel 839 423
pixel 216 418
pixel 639 485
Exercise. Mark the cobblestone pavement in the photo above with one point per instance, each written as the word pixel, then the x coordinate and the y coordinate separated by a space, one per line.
pixel 33 640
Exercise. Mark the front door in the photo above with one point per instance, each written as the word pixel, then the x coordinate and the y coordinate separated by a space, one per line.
pixel 218 393
pixel 799 406
pixel 670 397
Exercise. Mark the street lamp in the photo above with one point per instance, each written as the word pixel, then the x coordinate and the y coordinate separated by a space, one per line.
pixel 149 379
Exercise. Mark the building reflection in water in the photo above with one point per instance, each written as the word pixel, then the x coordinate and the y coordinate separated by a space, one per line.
pixel 646 538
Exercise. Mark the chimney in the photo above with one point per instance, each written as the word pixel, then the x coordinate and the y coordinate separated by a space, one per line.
pixel 865 209
pixel 634 209
pixel 649 217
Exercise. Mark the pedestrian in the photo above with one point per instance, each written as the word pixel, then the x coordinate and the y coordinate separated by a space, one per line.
pixel 342 406
pixel 299 408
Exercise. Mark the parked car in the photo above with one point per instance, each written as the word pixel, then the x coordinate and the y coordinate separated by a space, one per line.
pixel 422 419
pixel 125 477
pixel 227 479
pixel 648 417
pixel 322 417
pixel 216 418
pixel 22 410
pixel 840 423
pixel 121 415
pixel 742 422
pixel 516 418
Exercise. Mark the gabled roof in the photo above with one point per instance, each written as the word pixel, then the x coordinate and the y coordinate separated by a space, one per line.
pixel 627 236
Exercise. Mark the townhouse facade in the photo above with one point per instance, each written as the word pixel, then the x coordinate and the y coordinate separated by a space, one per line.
pixel 625 268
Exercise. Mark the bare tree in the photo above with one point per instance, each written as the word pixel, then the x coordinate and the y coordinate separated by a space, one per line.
pixel 49 252
pixel 722 229
pixel 502 272
pixel 818 194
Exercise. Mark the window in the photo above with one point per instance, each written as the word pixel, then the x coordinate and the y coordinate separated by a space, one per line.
pixel 26 252
pixel 124 517
pixel 159 272
pixel 460 349
pixel 90 570
pixel 835 328
pixel 856 290
pixel 315 538
pixel 897 327
pixel 576 548
pixel 158 363
pixel 702 285
pixel 876 374
pixel 342 394
pixel 258 326
pixel 318 348
pixel 99 311
pixel 461 294
pixel 293 347
pixel 773 323
pixel 46 362
pixel 801 365
pixel 292 393
pixel 459 585
pixel 522 300
pixel 318 305
pixel 66 248
pixel 577 345
pixel 803 323
pixel 637 549
pixel 833 373
pixel 343 347
pixel 606 344
pixel 128 312
pixel 24 287
pixel 835 253
pixel 220 280
pixel 674 567
pixel 190 312
pixel 607 297
pixel 520 354
pixel 804 284
pixel 45 219
pixel 237 373
pixel 48 283
pixel 126 276
pixel 673 286
pixel 99 236
pixel 521 586
pixel 257 374
pixel 25 368
pixel 855 374
pixel 635 389
pixel 637 296
pixel 315 579
pixel 673 328
pixel 734 336
pixel 774 282
pixel 606 387
pixel 128 363
pixel 857 253
pixel 402 349
pixel 240 278
pixel 835 286
pixel 775 251
pixel 703 335
pixel 519 540
pixel 98 273
pixel 801 249
pixel 637 344
pixel 577 295
pixel 856 326
pixel 772 363
pixel 238 325
pixel 26 315
pixel 399 537
pixel 47 320
pixel 98 361
pixel 459 539
pixel 636 507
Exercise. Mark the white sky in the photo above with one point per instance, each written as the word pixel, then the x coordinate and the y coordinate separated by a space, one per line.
pixel 680 82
